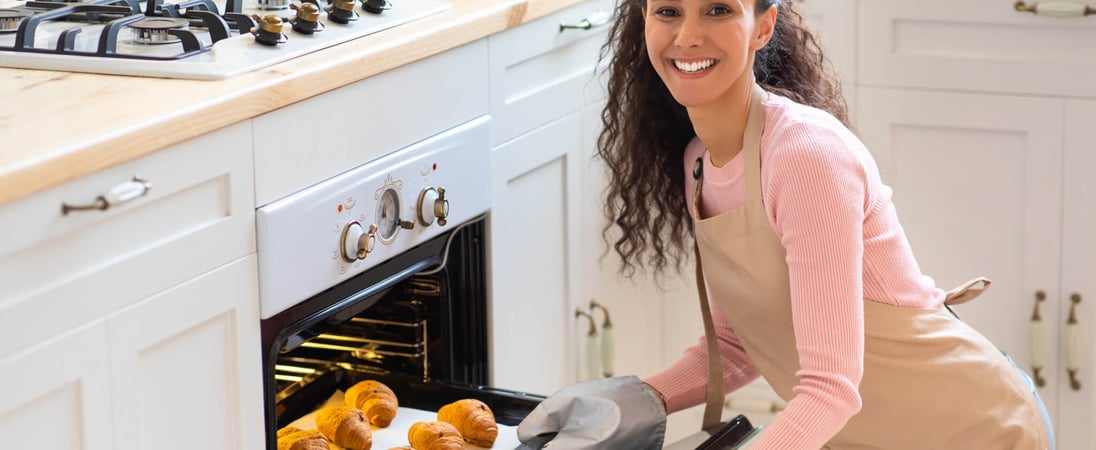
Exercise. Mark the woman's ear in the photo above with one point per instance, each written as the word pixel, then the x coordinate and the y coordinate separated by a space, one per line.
pixel 764 26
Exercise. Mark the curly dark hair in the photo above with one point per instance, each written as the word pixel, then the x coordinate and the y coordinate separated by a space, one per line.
pixel 645 130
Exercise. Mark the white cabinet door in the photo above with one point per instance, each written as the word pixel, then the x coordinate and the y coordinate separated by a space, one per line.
pixel 834 22
pixel 56 395
pixel 978 186
pixel 534 236
pixel 1077 402
pixel 186 365
pixel 976 45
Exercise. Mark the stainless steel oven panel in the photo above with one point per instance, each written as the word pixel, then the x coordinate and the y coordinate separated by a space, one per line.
pixel 301 244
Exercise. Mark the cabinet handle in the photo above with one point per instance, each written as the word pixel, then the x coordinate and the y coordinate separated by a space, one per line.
pixel 590 344
pixel 1073 343
pixel 594 20
pixel 1037 338
pixel 607 352
pixel 1054 9
pixel 115 196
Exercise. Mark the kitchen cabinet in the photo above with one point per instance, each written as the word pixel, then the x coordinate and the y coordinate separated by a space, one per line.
pixel 188 356
pixel 539 73
pixel 125 322
pixel 979 117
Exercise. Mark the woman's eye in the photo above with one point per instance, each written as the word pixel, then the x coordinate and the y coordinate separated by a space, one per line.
pixel 719 10
pixel 666 12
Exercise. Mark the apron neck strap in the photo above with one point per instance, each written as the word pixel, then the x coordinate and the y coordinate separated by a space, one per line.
pixel 751 139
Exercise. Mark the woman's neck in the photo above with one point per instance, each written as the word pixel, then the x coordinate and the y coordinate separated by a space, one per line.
pixel 721 125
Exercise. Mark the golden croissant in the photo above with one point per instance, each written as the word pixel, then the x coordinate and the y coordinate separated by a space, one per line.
pixel 473 419
pixel 375 399
pixel 290 438
pixel 345 426
pixel 434 436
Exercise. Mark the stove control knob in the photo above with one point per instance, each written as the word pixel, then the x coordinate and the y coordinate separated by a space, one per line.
pixel 357 242
pixel 307 20
pixel 341 11
pixel 269 31
pixel 433 205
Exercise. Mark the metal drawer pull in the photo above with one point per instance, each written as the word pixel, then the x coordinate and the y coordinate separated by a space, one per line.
pixel 115 196
pixel 1055 9
pixel 1073 349
pixel 607 350
pixel 1037 339
pixel 596 19
pixel 591 345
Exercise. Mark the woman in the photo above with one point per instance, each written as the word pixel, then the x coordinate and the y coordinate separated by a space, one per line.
pixel 812 282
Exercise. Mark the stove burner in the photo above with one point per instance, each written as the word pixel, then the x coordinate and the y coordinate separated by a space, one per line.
pixel 10 18
pixel 272 5
pixel 155 30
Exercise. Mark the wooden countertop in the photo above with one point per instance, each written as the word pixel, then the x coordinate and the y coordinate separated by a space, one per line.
pixel 58 126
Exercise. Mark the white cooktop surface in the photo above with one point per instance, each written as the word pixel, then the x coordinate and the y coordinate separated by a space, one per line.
pixel 232 56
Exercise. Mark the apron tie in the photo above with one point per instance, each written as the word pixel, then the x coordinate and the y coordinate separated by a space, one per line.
pixel 967 291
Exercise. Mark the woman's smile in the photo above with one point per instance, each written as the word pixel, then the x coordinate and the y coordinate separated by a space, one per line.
pixel 694 67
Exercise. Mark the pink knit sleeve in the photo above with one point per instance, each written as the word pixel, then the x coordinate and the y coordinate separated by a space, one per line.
pixel 685 382
pixel 817 197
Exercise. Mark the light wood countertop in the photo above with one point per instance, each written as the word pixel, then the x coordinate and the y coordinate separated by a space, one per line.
pixel 58 126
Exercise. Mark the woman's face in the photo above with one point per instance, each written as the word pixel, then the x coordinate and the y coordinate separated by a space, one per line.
pixel 701 48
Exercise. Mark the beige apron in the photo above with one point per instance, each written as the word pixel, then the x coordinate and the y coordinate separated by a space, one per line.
pixel 930 381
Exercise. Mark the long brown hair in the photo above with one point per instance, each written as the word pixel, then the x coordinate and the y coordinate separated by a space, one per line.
pixel 645 130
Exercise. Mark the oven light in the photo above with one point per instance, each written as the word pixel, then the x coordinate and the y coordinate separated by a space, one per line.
pixel 289 378
pixel 294 369
pixel 329 347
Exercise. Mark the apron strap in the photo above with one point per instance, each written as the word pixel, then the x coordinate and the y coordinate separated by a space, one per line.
pixel 713 410
pixel 755 125
pixel 967 291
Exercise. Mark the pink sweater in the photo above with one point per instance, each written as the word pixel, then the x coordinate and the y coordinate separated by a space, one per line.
pixel 834 216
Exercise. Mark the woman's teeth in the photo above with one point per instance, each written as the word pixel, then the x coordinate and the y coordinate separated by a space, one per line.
pixel 695 66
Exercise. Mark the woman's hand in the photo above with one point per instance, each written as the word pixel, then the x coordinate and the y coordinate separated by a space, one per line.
pixel 607 413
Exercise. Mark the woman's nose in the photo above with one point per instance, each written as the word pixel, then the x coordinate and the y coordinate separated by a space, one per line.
pixel 690 33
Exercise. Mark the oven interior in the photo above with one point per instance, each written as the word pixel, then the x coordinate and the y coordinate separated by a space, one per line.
pixel 420 330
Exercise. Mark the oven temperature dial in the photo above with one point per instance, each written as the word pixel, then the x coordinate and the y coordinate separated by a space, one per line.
pixel 433 205
pixel 357 242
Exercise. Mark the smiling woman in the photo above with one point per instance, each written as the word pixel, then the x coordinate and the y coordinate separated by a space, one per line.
pixel 812 281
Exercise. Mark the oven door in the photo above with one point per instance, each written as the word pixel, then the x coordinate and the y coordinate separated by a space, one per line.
pixel 416 322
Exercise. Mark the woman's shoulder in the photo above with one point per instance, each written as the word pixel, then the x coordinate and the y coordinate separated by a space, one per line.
pixel 798 135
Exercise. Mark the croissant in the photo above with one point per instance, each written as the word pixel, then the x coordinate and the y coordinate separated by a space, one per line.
pixel 434 436
pixel 345 426
pixel 375 399
pixel 291 438
pixel 473 419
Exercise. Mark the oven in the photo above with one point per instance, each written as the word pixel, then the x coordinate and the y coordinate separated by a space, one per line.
pixel 379 273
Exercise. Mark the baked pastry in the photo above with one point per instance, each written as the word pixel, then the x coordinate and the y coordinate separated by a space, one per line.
pixel 473 419
pixel 434 436
pixel 291 438
pixel 375 399
pixel 286 430
pixel 345 426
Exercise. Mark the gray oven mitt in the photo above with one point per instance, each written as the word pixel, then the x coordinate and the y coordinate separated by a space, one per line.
pixel 607 413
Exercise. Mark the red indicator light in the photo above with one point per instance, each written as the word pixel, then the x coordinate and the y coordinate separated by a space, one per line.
pixel 340 207
pixel 435 166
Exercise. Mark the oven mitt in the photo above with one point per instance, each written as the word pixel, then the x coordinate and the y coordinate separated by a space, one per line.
pixel 606 413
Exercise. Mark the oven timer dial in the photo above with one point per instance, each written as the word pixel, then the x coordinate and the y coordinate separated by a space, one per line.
pixel 433 205
pixel 357 242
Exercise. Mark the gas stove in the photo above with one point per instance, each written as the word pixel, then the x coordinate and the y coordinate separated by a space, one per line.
pixel 192 39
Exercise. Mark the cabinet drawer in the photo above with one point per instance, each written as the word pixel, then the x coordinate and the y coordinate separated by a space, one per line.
pixel 58 271
pixel 316 139
pixel 539 73
pixel 980 45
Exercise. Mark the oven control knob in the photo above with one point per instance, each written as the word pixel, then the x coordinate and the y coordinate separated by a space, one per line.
pixel 357 242
pixel 433 205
